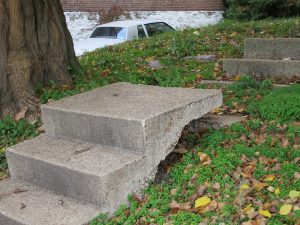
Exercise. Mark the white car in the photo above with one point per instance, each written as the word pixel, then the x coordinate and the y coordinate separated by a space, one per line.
pixel 120 31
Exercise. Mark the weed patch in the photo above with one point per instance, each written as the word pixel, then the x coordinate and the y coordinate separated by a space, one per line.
pixel 281 104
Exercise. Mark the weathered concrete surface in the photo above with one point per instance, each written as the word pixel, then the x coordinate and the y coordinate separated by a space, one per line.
pixel 102 145
pixel 25 204
pixel 208 58
pixel 261 67
pixel 118 114
pixel 227 83
pixel 275 48
pixel 84 171
pixel 213 121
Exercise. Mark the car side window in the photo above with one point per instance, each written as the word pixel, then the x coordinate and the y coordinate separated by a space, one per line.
pixel 157 28
pixel 141 31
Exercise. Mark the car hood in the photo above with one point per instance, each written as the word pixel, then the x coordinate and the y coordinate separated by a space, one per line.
pixel 91 44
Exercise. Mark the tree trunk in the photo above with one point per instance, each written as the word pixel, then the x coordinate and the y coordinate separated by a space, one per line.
pixel 35 47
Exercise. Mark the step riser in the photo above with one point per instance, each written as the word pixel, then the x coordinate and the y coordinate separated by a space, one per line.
pixel 113 132
pixel 4 220
pixel 73 184
pixel 107 192
pixel 266 68
pixel 257 48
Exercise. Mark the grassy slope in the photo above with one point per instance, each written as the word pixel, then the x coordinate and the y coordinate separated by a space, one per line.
pixel 128 62
pixel 256 142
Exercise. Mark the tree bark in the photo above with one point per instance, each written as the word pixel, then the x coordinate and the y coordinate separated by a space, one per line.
pixel 35 47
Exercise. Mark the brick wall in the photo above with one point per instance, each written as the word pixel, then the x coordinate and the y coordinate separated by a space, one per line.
pixel 143 5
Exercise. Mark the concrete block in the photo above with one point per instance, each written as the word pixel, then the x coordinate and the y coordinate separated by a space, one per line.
pixel 279 69
pixel 25 204
pixel 117 114
pixel 104 176
pixel 102 145
pixel 274 48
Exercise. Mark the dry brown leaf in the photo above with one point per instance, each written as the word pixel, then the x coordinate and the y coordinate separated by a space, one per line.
pixel 173 192
pixel 258 186
pixel 270 177
pixel 175 206
pixel 284 142
pixel 204 158
pixel 201 190
pixel 248 170
pixel 216 186
pixel 261 139
pixel 297 176
pixel 296 123
pixel 271 189
pixel 193 179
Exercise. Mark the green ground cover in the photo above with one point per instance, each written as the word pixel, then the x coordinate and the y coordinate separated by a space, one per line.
pixel 246 172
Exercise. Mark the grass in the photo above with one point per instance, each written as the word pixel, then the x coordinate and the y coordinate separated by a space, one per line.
pixel 223 165
pixel 129 61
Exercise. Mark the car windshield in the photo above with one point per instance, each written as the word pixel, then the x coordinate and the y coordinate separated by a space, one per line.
pixel 110 32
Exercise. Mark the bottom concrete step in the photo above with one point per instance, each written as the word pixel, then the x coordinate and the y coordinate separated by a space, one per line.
pixel 279 69
pixel 97 174
pixel 25 204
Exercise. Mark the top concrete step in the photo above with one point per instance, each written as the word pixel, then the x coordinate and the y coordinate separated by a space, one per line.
pixel 25 204
pixel 120 114
pixel 276 48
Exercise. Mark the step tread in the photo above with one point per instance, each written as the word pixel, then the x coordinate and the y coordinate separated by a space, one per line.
pixel 264 60
pixel 22 203
pixel 129 102
pixel 76 154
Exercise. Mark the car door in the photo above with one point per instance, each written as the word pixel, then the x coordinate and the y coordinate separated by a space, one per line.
pixel 141 31
pixel 157 28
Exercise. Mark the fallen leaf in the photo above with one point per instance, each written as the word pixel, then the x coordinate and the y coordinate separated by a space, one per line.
pixel 270 177
pixel 258 186
pixel 193 179
pixel 245 187
pixel 201 190
pixel 204 158
pixel 216 186
pixel 173 192
pixel 294 194
pixel 265 213
pixel 175 206
pixel 285 209
pixel 248 209
pixel 198 77
pixel 297 175
pixel 284 142
pixel 271 189
pixel 203 201
pixel 277 191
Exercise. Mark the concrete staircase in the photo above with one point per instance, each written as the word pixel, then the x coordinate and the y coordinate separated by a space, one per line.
pixel 269 58
pixel 99 147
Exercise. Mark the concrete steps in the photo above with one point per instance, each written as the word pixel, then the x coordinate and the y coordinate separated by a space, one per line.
pixel 26 204
pixel 272 48
pixel 77 169
pixel 269 58
pixel 102 145
pixel 278 69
